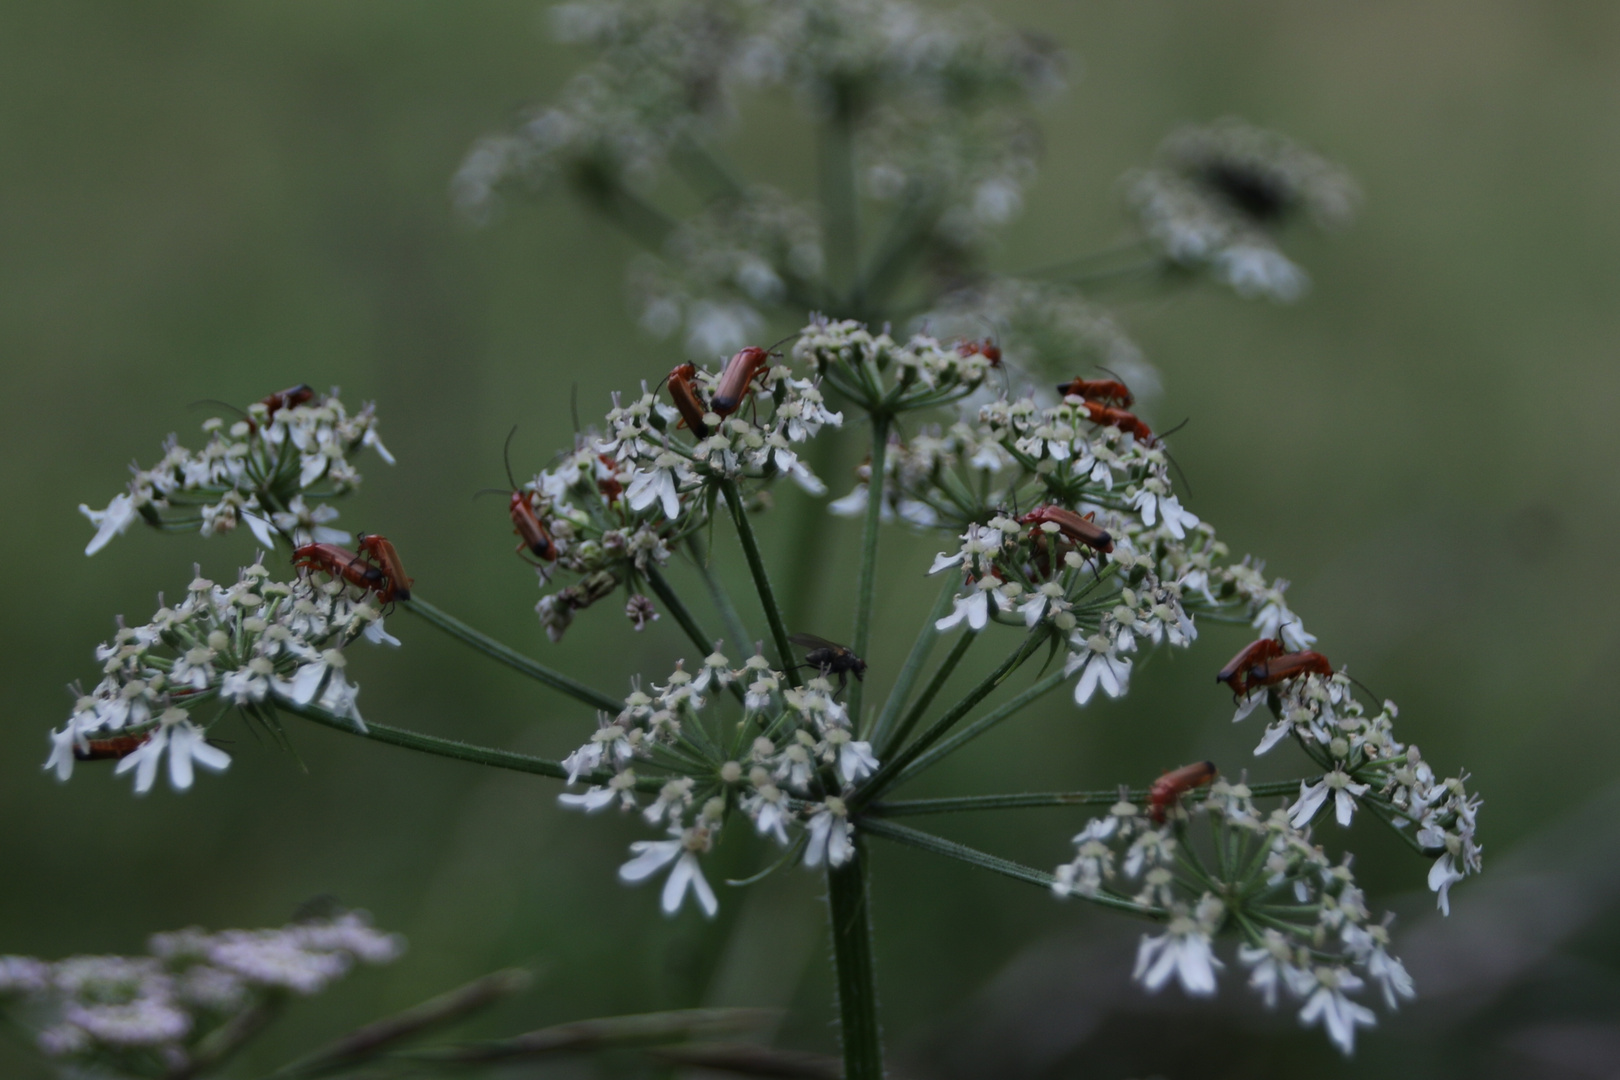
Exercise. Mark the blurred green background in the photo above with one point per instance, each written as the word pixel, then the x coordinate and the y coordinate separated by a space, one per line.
pixel 218 200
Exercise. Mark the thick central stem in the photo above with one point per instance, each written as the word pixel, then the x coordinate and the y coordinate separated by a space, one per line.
pixel 849 914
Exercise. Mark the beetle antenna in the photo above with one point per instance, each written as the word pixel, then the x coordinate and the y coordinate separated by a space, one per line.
pixel 490 491
pixel 1185 482
pixel 222 404
pixel 573 410
pixel 784 341
pixel 506 456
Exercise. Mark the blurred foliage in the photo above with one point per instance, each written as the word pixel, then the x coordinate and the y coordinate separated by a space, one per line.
pixel 214 201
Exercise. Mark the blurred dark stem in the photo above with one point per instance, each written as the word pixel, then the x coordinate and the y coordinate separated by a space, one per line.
pixel 900 248
pixel 609 1032
pixel 375 1038
pixel 223 1043
pixel 495 650
pixel 703 171
pixel 744 1059
pixel 866 581
pixel 636 217
pixel 849 916
pixel 839 203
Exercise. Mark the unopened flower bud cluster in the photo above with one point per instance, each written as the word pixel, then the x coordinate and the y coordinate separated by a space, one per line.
pixel 242 646
pixel 120 1015
pixel 787 765
pixel 272 472
pixel 885 375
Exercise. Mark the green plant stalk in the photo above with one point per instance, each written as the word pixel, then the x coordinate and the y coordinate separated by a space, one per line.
pixel 866 579
pixel 849 914
pixel 449 748
pixel 736 632
pixel 938 845
pixel 886 774
pixel 762 580
pixel 1037 799
pixel 513 659
pixel 942 675
pixel 684 616
pixel 983 724
pixel 879 735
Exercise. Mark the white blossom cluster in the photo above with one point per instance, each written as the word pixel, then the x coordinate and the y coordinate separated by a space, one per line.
pixel 617 505
pixel 1303 920
pixel 885 375
pixel 272 470
pixel 122 1013
pixel 719 267
pixel 1365 765
pixel 242 646
pixel 1221 191
pixel 788 764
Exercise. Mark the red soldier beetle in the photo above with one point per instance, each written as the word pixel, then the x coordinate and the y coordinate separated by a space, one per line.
pixel 683 392
pixel 115 748
pixel 609 485
pixel 1119 418
pixel 1170 787
pixel 383 554
pixel 1276 669
pixel 986 348
pixel 290 398
pixel 737 380
pixel 342 563
pixel 1079 530
pixel 525 522
pixel 1236 673
pixel 1104 391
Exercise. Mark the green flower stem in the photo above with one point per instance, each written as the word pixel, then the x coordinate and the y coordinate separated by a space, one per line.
pixel 736 632
pixel 983 724
pixel 512 658
pixel 450 748
pixel 682 615
pixel 879 735
pixel 886 774
pixel 848 911
pixel 1030 800
pixel 938 845
pixel 762 581
pixel 866 580
pixel 941 674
